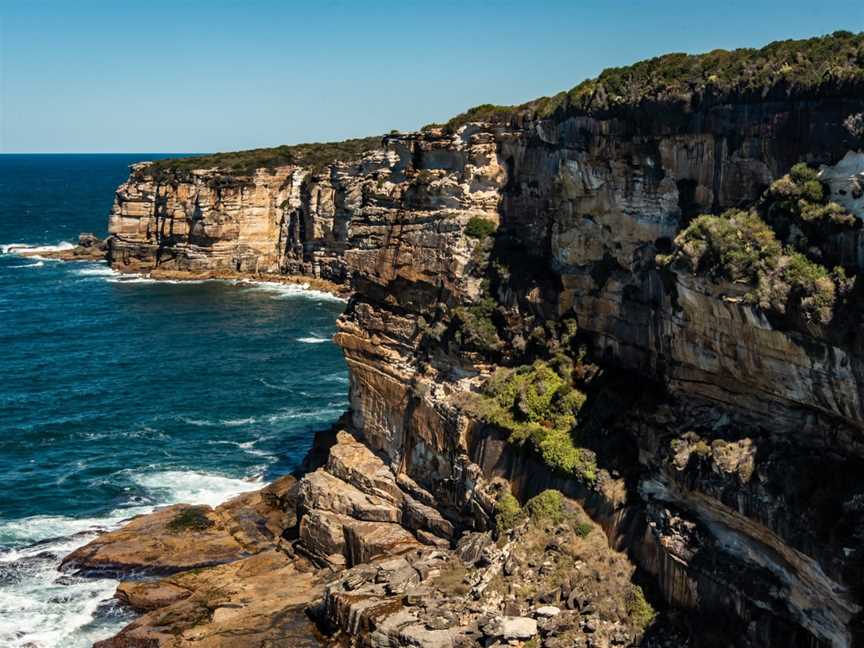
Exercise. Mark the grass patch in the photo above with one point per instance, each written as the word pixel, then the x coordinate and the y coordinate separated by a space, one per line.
pixel 583 529
pixel 193 518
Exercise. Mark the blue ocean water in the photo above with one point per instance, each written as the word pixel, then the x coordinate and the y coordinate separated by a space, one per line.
pixel 119 393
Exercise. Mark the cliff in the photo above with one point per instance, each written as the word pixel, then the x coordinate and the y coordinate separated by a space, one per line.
pixel 535 299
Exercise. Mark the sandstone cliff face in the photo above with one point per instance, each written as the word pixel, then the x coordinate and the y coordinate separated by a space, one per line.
pixel 728 463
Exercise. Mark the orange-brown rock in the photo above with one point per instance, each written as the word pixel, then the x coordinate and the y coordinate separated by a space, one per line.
pixel 257 601
pixel 182 537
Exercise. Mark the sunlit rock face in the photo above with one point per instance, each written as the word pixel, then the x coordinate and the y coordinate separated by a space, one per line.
pixel 728 472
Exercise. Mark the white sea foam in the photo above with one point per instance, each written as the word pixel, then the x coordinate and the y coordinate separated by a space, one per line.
pixel 122 278
pixel 175 486
pixel 337 378
pixel 38 264
pixel 287 291
pixel 316 414
pixel 313 340
pixel 27 248
pixel 220 423
pixel 96 270
pixel 40 606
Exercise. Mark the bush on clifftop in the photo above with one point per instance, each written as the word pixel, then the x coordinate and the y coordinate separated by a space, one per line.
pixel 315 155
pixel 792 66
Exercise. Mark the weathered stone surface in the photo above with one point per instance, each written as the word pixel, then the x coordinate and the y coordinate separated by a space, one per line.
pixel 323 534
pixel 184 537
pixel 352 461
pixel 150 544
pixel 321 490
pixel 367 540
pixel 427 597
pixel 143 596
pixel 257 601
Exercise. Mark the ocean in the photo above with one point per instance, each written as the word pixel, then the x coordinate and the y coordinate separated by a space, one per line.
pixel 120 394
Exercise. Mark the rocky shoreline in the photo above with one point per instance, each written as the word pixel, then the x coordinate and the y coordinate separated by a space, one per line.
pixel 350 554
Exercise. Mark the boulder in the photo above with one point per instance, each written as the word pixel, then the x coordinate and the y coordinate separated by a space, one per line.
pixel 353 462
pixel 322 534
pixel 510 627
pixel 367 540
pixel 322 491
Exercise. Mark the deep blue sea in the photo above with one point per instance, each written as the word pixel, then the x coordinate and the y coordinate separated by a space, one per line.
pixel 119 394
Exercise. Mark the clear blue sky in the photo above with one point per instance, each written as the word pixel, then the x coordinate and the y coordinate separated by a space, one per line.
pixel 153 76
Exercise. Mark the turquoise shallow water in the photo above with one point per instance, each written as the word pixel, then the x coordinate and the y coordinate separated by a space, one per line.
pixel 119 394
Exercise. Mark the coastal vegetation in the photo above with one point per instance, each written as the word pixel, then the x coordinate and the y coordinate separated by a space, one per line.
pixel 315 155
pixel 538 404
pixel 639 609
pixel 479 227
pixel 475 327
pixel 790 65
pixel 769 248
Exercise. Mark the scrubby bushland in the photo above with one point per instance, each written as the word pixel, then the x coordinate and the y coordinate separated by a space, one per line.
pixel 315 155
pixel 789 66
pixel 799 210
pixel 475 327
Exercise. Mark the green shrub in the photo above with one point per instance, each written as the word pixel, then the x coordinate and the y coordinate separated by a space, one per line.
pixel 479 227
pixel 736 246
pixel 508 513
pixel 583 529
pixel 193 518
pixel 538 405
pixel 800 199
pixel 638 608
pixel 476 326
pixel 802 284
pixel 739 246
pixel 547 506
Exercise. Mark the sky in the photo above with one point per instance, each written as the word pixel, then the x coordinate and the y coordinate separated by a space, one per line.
pixel 203 76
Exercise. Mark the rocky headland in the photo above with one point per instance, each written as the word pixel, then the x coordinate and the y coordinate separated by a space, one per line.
pixel 606 373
